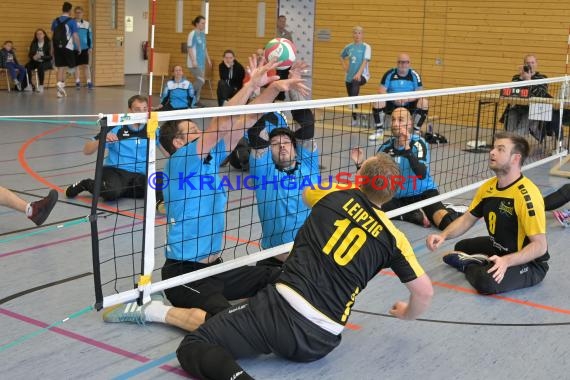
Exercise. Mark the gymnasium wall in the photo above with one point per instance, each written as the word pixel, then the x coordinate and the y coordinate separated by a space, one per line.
pixel 20 20
pixel 232 25
pixel 451 42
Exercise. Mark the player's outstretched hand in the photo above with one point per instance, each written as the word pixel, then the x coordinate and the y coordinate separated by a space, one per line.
pixel 296 84
pixel 258 71
pixel 297 69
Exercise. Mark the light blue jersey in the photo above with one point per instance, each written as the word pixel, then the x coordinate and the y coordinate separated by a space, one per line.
pixel 420 149
pixel 129 152
pixel 280 205
pixel 85 34
pixel 197 42
pixel 195 211
pixel 179 95
pixel 356 54
pixel 394 82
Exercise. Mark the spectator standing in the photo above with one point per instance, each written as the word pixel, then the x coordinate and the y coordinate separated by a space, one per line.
pixel 86 44
pixel 354 59
pixel 64 40
pixel 198 55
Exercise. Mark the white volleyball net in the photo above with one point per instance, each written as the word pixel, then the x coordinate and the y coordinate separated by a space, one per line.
pixel 130 244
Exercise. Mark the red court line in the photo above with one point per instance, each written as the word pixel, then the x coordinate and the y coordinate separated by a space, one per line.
pixel 32 173
pixel 24 163
pixel 501 298
pixel 90 341
pixel 352 326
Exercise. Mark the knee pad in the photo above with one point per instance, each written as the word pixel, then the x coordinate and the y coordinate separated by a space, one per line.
pixel 108 192
pixel 306 119
pixel 378 114
pixel 419 117
pixel 565 192
pixel 557 198
pixel 448 219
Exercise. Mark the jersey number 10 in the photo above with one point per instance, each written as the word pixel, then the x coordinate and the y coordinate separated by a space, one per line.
pixel 345 245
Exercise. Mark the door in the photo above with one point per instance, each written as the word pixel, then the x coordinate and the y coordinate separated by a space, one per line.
pixel 136 32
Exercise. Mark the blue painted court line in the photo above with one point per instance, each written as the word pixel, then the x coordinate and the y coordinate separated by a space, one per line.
pixel 146 367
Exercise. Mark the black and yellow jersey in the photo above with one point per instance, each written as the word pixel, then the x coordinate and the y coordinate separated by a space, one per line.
pixel 511 214
pixel 343 244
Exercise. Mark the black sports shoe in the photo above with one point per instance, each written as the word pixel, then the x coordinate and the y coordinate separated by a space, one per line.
pixel 416 217
pixel 42 208
pixel 74 190
pixel 460 260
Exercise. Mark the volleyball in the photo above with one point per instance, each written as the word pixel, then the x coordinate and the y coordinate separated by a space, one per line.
pixel 282 50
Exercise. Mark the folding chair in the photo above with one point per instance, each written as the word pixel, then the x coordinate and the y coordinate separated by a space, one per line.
pixel 7 75
pixel 161 67
pixel 208 78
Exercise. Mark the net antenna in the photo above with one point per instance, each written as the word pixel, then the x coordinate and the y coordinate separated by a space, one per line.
pixel 151 58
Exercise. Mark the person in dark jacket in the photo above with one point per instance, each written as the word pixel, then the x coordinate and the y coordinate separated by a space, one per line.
pixel 231 77
pixel 40 58
pixel 9 61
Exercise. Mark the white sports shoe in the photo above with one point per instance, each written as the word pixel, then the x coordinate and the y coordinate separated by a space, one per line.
pixel 61 90
pixel 458 208
pixel 377 135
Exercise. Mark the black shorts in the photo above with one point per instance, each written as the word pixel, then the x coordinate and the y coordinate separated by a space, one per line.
pixel 429 210
pixel 211 294
pixel 64 57
pixel 391 106
pixel 516 277
pixel 119 183
pixel 263 324
pixel 83 58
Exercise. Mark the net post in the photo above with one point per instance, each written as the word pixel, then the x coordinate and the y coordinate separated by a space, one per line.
pixel 104 129
pixel 147 265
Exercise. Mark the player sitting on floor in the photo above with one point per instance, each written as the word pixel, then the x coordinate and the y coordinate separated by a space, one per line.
pixel 301 316
pixel 197 216
pixel 411 152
